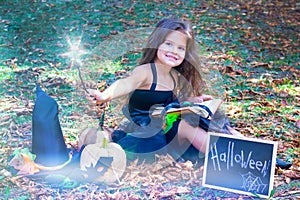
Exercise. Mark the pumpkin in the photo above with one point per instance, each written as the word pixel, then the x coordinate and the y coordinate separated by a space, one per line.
pixel 91 136
pixel 103 162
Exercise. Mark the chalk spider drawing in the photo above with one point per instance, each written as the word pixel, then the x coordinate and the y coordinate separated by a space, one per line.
pixel 253 183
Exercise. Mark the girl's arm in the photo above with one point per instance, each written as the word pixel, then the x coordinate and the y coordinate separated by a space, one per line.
pixel 122 87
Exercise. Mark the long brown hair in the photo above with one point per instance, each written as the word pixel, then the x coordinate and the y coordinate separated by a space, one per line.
pixel 190 67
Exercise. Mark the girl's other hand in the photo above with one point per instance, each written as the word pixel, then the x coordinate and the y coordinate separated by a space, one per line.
pixel 206 97
pixel 200 99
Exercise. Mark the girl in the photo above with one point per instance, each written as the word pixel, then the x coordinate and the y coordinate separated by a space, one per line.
pixel 168 73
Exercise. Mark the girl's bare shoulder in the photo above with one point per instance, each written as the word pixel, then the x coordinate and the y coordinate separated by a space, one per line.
pixel 142 69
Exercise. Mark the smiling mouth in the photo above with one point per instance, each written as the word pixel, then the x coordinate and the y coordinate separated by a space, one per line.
pixel 172 57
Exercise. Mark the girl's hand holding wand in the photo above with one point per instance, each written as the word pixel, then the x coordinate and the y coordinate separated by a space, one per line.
pixel 95 97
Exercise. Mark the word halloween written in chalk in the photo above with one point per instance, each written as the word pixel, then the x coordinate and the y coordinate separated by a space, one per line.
pixel 233 158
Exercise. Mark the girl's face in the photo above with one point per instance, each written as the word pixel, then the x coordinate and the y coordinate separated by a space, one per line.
pixel 172 51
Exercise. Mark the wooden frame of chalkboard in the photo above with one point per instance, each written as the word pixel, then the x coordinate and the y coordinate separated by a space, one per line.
pixel 239 164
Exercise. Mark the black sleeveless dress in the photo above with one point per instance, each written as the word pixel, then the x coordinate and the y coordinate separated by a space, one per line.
pixel 143 137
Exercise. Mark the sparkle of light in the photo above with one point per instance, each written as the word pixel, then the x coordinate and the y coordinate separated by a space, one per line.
pixel 75 51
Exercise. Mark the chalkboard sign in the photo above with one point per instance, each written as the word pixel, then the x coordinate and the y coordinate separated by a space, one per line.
pixel 241 165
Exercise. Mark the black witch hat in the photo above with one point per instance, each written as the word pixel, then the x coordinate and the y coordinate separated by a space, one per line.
pixel 47 139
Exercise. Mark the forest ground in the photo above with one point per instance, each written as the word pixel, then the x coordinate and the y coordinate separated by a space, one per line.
pixel 252 49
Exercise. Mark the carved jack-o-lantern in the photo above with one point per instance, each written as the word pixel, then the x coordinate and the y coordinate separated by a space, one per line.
pixel 103 162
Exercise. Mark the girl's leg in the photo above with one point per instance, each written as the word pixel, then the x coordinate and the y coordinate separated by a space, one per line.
pixel 197 136
pixel 194 135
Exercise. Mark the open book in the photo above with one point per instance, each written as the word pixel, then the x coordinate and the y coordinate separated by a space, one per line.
pixel 213 105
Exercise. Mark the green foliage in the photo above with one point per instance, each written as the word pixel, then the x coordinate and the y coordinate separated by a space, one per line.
pixel 270 196
pixel 25 151
pixel 7 192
